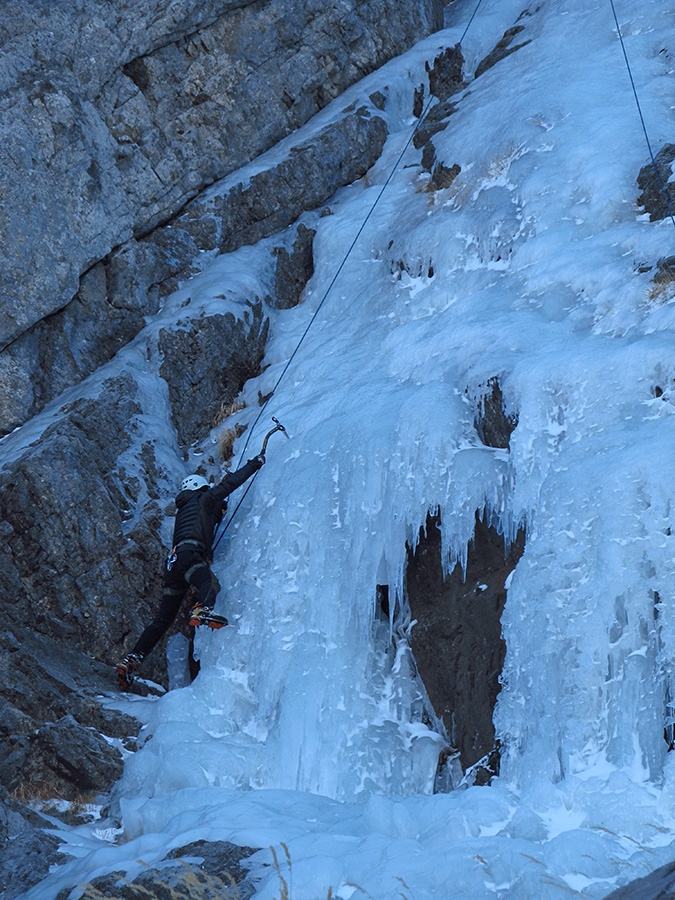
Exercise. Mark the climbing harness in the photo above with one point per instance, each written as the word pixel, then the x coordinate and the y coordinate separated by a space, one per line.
pixel 642 118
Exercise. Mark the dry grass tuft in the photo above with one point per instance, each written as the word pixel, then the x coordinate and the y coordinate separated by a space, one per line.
pixel 228 409
pixel 284 895
pixel 663 282
pixel 39 792
pixel 184 884
pixel 662 289
pixel 188 884
pixel 226 442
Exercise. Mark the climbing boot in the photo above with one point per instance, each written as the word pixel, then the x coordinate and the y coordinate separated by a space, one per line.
pixel 128 669
pixel 204 615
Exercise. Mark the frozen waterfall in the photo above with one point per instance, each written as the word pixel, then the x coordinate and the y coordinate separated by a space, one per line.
pixel 304 725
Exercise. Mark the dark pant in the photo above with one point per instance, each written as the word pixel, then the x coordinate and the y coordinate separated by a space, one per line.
pixel 190 570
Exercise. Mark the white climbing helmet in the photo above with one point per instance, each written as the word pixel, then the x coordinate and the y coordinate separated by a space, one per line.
pixel 193 483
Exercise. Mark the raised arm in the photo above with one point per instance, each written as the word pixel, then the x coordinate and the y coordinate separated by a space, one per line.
pixel 233 480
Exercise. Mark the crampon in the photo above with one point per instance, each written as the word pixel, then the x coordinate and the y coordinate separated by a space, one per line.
pixel 127 670
pixel 203 615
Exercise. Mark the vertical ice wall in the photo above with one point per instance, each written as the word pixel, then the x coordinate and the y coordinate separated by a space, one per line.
pixel 526 268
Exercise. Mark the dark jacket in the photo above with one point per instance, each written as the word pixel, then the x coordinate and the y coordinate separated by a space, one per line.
pixel 199 513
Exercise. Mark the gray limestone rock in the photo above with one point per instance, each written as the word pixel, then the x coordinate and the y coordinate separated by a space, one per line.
pixel 205 870
pixel 116 294
pixel 114 115
pixel 243 212
pixel 457 642
pixel 77 755
pixel 27 849
pixel 293 269
pixel 445 80
pixel 501 50
pixel 205 364
pixel 56 742
pixel 436 120
pixel 658 191
pixel 658 885
pixel 65 505
pixel 493 424
pixel 446 75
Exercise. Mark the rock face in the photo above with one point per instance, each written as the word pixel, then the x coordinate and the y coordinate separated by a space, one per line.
pixel 245 212
pixel 493 424
pixel 82 552
pixel 445 79
pixel 210 358
pixel 27 849
pixel 117 293
pixel 123 112
pixel 115 118
pixel 658 191
pixel 658 885
pixel 503 48
pixel 205 871
pixel 457 641
pixel 56 741
pixel 117 115
pixel 293 269
pixel 65 551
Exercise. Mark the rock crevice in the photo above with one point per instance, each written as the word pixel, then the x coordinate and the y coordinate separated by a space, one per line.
pixel 457 642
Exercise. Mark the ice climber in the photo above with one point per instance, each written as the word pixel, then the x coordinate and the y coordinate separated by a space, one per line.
pixel 200 509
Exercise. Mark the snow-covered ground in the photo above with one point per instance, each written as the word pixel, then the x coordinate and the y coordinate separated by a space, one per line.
pixel 300 732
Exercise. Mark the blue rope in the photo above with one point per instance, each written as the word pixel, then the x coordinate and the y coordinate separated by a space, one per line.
pixel 337 273
pixel 376 202
pixel 353 243
pixel 642 118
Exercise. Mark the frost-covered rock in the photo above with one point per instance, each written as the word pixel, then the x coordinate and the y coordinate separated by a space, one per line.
pixel 205 869
pixel 209 359
pixel 655 180
pixel 658 885
pixel 27 849
pixel 116 117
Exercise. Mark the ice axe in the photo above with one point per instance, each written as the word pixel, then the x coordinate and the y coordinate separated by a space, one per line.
pixel 277 427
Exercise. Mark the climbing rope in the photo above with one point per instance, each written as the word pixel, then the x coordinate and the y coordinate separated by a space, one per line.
pixel 339 269
pixel 374 206
pixel 642 118
pixel 358 235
